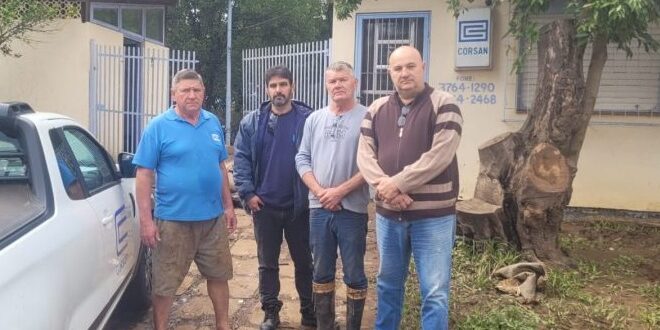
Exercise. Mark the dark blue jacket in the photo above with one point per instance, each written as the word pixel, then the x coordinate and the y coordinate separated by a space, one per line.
pixel 247 154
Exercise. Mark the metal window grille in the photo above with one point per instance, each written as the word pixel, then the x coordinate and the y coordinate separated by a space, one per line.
pixel 307 62
pixel 630 87
pixel 129 86
pixel 380 36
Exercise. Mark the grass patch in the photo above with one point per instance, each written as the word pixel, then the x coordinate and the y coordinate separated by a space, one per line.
pixel 651 291
pixel 601 311
pixel 502 317
pixel 564 284
pixel 572 242
pixel 474 262
pixel 611 226
pixel 625 265
pixel 650 316
pixel 602 291
pixel 412 301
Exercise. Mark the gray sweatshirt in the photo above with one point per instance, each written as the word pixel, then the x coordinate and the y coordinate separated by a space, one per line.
pixel 329 150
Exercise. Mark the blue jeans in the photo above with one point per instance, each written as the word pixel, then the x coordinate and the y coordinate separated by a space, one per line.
pixel 345 229
pixel 430 241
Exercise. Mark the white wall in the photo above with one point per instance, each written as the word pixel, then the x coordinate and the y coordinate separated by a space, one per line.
pixel 52 74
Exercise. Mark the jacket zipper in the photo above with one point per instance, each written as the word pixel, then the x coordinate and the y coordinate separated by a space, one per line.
pixel 398 158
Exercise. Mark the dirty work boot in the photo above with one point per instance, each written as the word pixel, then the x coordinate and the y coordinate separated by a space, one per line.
pixel 324 305
pixel 271 318
pixel 354 307
pixel 308 319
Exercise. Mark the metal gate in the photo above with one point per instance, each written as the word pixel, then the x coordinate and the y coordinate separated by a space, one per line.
pixel 307 62
pixel 129 86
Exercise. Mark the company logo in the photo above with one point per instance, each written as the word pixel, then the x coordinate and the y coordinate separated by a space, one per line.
pixel 215 137
pixel 122 227
pixel 473 31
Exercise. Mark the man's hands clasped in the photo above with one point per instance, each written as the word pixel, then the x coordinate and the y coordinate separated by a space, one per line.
pixel 387 191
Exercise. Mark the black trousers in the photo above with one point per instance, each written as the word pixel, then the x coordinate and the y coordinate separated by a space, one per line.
pixel 269 225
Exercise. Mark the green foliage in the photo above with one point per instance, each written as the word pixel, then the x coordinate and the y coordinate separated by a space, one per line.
pixel 621 21
pixel 344 8
pixel 20 18
pixel 201 25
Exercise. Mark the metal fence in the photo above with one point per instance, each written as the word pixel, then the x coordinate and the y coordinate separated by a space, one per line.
pixel 129 86
pixel 307 62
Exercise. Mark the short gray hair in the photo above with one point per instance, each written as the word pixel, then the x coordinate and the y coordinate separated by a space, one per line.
pixel 341 66
pixel 186 74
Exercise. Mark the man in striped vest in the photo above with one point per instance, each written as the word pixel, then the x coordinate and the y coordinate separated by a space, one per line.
pixel 407 152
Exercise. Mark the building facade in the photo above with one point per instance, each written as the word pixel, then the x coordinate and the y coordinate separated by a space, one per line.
pixel 472 59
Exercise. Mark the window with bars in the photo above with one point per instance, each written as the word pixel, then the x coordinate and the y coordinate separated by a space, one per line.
pixel 629 85
pixel 378 36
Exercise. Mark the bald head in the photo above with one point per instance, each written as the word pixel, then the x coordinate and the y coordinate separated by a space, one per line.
pixel 406 69
pixel 406 52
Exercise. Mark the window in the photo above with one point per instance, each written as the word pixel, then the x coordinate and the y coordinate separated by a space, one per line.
pixel 131 20
pixel 71 180
pixel 378 36
pixel 145 21
pixel 24 198
pixel 13 166
pixel 106 15
pixel 155 22
pixel 629 86
pixel 89 159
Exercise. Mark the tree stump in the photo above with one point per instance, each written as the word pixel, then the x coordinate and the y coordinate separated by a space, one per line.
pixel 525 177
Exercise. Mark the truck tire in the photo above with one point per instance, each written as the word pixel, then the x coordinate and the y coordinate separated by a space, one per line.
pixel 137 297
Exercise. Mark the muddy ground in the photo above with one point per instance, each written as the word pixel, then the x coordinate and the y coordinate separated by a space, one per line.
pixel 623 249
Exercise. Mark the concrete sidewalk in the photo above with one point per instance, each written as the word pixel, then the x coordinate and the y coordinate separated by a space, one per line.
pixel 193 310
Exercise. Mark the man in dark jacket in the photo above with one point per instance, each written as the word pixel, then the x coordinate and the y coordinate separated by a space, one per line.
pixel 271 190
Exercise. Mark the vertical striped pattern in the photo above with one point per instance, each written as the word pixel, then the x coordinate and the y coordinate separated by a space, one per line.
pixel 307 62
pixel 128 87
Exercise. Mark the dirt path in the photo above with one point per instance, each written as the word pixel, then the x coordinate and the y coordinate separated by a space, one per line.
pixel 193 310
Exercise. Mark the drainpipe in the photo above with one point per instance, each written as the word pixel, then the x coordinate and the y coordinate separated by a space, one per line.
pixel 230 5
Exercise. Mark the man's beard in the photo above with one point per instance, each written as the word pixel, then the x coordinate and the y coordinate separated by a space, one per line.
pixel 280 100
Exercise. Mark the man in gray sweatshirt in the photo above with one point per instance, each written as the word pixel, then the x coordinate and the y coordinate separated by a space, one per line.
pixel 338 197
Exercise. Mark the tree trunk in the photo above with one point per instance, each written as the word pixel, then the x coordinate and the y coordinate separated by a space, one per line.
pixel 529 173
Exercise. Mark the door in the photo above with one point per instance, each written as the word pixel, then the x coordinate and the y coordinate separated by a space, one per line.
pixel 133 94
pixel 113 208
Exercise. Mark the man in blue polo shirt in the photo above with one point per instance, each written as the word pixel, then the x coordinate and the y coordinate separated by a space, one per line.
pixel 185 149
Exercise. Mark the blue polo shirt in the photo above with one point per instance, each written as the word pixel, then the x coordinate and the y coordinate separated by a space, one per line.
pixel 186 160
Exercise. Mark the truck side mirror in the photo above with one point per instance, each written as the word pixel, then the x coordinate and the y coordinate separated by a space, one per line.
pixel 126 166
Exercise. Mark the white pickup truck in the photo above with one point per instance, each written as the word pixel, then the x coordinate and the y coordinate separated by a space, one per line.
pixel 69 231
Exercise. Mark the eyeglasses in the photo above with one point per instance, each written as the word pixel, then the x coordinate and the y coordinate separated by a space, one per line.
pixel 405 110
pixel 272 122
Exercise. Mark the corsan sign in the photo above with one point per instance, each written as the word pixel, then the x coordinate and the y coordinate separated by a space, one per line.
pixel 473 39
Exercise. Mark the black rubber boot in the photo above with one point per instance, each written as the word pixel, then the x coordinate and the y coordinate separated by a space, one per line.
pixel 271 318
pixel 355 307
pixel 324 305
pixel 308 318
